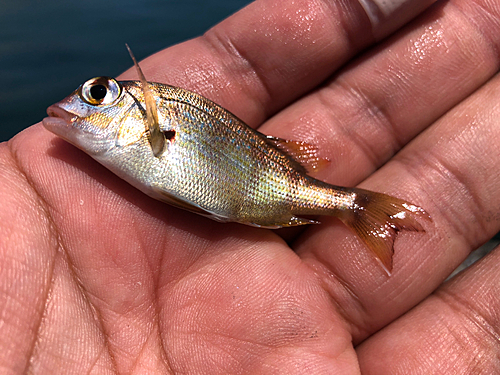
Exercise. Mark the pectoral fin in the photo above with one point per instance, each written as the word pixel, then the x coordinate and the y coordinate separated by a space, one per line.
pixel 155 136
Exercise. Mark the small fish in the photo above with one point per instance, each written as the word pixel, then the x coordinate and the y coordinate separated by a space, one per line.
pixel 183 149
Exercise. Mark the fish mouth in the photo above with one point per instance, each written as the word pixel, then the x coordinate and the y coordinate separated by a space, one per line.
pixel 59 121
pixel 55 111
pixel 69 126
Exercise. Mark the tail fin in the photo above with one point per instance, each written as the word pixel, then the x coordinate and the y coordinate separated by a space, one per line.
pixel 377 218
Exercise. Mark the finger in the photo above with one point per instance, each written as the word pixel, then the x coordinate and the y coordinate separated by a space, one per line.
pixel 448 171
pixel 381 101
pixel 268 54
pixel 386 16
pixel 454 331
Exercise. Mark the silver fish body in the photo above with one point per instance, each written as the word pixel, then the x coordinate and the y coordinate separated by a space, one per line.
pixel 215 165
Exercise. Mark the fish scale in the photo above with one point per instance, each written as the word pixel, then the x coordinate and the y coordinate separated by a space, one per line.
pixel 183 149
pixel 203 143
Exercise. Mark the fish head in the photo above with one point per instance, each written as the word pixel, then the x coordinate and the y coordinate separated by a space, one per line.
pixel 93 117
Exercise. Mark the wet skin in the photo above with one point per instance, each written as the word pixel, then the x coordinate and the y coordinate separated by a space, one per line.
pixel 97 277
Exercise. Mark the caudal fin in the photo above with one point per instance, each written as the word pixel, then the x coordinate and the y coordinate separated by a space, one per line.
pixel 377 218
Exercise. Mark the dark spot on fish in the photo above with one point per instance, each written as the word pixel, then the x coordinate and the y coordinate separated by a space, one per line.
pixel 98 92
pixel 169 135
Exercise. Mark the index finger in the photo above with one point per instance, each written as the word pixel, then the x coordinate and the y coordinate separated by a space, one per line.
pixel 272 52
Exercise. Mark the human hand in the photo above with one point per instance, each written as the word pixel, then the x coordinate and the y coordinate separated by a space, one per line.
pixel 97 277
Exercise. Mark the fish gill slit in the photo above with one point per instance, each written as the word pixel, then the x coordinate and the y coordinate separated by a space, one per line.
pixel 169 134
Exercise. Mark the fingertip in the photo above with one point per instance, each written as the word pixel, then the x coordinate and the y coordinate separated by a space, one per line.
pixel 386 16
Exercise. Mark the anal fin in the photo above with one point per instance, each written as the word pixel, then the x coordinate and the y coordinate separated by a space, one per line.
pixel 292 222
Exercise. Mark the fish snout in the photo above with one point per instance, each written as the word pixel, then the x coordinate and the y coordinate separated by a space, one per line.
pixel 60 122
pixel 55 111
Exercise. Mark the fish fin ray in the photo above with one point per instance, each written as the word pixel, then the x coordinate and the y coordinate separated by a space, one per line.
pixel 185 205
pixel 292 222
pixel 155 136
pixel 303 154
pixel 377 218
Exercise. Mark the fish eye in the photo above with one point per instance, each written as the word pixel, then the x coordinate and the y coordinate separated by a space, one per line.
pixel 100 91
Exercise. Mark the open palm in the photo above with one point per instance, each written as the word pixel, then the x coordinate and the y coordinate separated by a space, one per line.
pixel 96 277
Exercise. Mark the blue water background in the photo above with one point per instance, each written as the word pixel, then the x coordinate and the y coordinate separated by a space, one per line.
pixel 48 48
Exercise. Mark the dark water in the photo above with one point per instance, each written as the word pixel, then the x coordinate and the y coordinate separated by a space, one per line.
pixel 48 48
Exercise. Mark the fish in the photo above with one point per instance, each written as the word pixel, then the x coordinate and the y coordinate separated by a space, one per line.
pixel 185 150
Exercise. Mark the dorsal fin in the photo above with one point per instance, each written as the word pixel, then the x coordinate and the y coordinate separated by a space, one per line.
pixel 155 136
pixel 305 154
